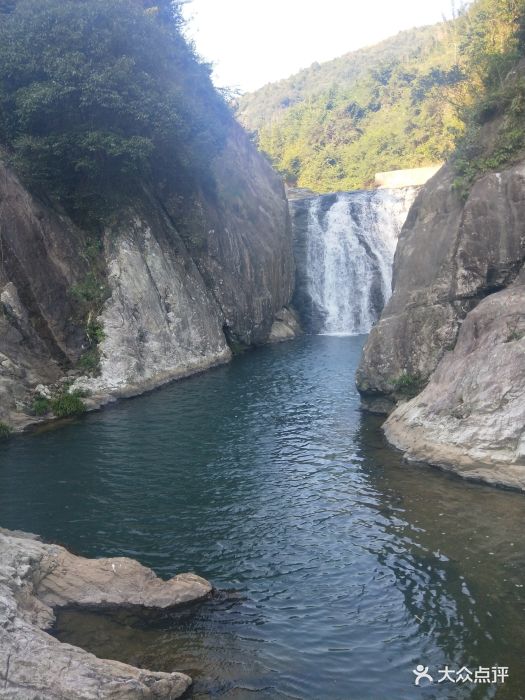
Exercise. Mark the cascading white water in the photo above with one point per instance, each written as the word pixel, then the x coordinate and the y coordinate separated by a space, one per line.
pixel 349 246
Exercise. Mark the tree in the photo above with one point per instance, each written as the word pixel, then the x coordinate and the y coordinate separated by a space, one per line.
pixel 97 97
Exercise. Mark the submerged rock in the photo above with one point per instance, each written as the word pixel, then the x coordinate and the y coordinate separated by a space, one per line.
pixel 35 578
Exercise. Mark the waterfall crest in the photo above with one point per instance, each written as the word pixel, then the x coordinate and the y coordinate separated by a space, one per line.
pixel 345 246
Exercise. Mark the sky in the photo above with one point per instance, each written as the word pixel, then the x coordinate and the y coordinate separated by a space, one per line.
pixel 253 42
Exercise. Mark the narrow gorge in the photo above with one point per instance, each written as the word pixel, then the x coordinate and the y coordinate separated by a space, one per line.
pixel 160 238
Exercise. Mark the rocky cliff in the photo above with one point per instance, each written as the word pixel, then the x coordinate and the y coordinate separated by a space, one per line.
pixel 180 284
pixel 454 325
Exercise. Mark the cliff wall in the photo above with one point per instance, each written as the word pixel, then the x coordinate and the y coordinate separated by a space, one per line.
pixel 452 335
pixel 180 284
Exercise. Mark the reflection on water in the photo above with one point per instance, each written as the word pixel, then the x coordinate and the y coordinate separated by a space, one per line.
pixel 339 567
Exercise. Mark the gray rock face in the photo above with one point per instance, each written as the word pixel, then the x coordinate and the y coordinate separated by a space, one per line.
pixel 247 261
pixel 471 416
pixel 456 323
pixel 160 321
pixel 34 579
pixel 285 327
pixel 179 292
pixel 39 265
pixel 450 256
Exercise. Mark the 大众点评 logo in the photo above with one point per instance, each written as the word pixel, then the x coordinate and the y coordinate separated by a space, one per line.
pixel 481 674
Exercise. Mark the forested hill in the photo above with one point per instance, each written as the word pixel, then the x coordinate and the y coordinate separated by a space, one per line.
pixel 406 102
pixel 273 99
pixel 332 126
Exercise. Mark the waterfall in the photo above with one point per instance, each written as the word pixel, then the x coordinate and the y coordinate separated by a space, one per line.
pixel 344 245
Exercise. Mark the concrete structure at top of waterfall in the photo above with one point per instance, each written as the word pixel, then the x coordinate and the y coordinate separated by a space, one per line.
pixel 413 177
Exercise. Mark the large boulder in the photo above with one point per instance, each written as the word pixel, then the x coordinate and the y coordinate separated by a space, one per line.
pixel 35 579
pixel 470 418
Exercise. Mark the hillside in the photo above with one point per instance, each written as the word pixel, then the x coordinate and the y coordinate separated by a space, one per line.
pixel 332 126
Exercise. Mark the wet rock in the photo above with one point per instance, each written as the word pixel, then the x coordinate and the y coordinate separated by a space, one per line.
pixel 285 327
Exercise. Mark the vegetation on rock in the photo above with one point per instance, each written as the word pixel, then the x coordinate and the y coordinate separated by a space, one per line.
pixel 98 99
pixel 104 106
pixel 493 90
pixel 408 385
pixel 5 431
pixel 68 404
pixel 40 406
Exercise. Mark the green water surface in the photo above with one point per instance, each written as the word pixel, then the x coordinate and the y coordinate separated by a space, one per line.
pixel 338 567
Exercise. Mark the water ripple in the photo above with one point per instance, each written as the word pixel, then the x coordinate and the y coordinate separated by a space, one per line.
pixel 339 567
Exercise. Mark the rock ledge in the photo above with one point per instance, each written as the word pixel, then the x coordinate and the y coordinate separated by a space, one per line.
pixel 35 578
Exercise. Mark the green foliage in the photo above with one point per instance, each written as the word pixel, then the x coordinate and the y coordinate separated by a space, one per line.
pixel 332 127
pixel 91 291
pixel 493 43
pixel 90 361
pixel 408 385
pixel 95 331
pixel 98 97
pixel 40 406
pixel 5 431
pixel 91 295
pixel 66 405
pixel 407 102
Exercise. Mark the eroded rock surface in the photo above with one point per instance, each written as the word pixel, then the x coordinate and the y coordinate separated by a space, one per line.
pixel 471 416
pixel 184 278
pixel 450 256
pixel 37 577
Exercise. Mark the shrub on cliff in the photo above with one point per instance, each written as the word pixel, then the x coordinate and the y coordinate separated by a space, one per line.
pixel 68 404
pixel 98 97
pixel 5 431
pixel 492 44
pixel 41 406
